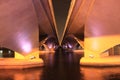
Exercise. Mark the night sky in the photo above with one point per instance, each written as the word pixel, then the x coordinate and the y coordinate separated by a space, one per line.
pixel 61 8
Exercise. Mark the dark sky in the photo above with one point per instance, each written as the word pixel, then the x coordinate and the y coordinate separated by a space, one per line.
pixel 61 8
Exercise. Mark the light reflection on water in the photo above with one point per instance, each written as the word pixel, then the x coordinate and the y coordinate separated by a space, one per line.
pixel 107 73
pixel 62 66
pixel 27 74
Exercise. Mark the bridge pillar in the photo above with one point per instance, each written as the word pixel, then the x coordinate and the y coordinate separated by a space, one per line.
pixel 99 51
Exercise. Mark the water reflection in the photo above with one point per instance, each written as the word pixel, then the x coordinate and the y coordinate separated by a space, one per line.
pixel 27 74
pixel 107 73
pixel 62 66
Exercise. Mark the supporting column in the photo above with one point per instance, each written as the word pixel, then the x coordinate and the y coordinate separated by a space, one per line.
pixel 95 47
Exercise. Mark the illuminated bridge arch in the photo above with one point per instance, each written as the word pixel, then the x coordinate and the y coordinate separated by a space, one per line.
pixel 72 43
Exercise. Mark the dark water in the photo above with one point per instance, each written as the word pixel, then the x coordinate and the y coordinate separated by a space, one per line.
pixel 62 66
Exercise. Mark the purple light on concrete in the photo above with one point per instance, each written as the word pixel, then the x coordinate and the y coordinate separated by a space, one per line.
pixel 26 46
pixel 97 31
pixel 69 45
pixel 65 46
pixel 24 42
pixel 50 46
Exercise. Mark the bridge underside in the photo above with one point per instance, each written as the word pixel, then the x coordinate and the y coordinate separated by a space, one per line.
pixel 26 25
pixel 94 24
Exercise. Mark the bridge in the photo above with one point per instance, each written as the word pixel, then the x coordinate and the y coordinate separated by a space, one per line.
pixel 25 26
pixel 94 24
pixel 28 27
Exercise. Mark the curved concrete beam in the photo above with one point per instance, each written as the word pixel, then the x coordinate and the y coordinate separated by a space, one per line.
pixel 76 18
pixel 100 19
pixel 20 21
pixel 46 19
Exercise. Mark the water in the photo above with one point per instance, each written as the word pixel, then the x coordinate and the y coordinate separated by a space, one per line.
pixel 62 66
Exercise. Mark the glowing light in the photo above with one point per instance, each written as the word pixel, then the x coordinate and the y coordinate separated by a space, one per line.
pixel 95 45
pixel 50 46
pixel 65 46
pixel 9 51
pixel 1 51
pixel 26 47
pixel 69 45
